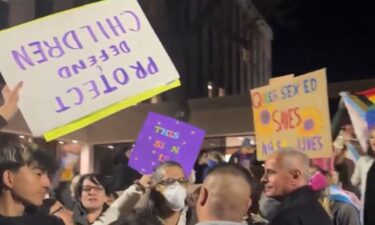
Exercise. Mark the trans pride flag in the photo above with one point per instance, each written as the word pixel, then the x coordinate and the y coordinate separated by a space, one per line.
pixel 361 110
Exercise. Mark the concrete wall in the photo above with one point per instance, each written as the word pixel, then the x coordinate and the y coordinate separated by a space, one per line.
pixel 21 11
pixel 218 116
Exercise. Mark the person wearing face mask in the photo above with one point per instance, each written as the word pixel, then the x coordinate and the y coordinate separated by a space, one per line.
pixel 364 174
pixel 167 200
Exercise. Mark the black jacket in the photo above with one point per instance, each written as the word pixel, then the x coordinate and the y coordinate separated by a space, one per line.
pixel 301 207
pixel 31 218
pixel 3 122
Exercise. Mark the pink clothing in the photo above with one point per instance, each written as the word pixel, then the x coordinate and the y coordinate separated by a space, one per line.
pixel 325 164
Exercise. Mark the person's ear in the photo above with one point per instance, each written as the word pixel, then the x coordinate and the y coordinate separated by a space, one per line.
pixel 249 203
pixel 296 174
pixel 203 196
pixel 8 179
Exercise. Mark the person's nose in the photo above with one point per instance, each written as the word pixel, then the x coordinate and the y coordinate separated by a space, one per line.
pixel 264 178
pixel 92 191
pixel 46 182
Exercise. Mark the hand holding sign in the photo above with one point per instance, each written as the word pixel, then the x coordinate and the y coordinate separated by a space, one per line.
pixel 10 106
pixel 166 139
pixel 145 181
pixel 84 66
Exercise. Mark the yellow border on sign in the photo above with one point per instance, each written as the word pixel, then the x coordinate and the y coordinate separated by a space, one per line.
pixel 101 114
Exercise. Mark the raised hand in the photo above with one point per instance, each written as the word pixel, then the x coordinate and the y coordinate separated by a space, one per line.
pixel 11 97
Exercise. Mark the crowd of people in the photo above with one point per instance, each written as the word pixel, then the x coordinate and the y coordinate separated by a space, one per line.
pixel 287 189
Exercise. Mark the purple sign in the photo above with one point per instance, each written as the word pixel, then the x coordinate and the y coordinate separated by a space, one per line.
pixel 166 139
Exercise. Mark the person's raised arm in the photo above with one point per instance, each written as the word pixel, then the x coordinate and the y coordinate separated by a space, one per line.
pixel 10 105
pixel 337 119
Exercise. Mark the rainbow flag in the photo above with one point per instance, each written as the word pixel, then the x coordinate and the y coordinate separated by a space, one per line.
pixel 369 96
pixel 361 110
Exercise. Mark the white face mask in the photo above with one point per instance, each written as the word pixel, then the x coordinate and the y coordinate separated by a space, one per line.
pixel 175 194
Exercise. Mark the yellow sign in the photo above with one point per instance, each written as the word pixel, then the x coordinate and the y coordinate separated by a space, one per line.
pixel 293 114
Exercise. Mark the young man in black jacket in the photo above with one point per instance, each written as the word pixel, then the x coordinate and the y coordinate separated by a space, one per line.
pixel 24 183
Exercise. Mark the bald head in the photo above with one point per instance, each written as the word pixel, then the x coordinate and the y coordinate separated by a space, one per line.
pixel 295 159
pixel 285 171
pixel 225 194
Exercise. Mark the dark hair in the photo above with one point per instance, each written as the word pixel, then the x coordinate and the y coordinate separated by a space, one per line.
pixel 257 187
pixel 96 179
pixel 46 206
pixel 14 155
pixel 343 175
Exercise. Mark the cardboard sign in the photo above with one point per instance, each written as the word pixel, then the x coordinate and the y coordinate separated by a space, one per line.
pixel 293 114
pixel 166 139
pixel 88 62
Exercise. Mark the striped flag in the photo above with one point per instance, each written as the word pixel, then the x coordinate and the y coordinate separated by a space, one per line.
pixel 360 107
pixel 369 96
pixel 352 152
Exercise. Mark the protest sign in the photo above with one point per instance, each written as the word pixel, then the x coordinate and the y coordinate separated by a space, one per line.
pixel 84 64
pixel 293 114
pixel 166 139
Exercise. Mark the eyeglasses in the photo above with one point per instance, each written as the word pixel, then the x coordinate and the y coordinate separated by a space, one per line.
pixel 89 188
pixel 170 181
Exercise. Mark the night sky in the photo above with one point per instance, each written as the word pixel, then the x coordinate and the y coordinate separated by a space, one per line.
pixel 312 34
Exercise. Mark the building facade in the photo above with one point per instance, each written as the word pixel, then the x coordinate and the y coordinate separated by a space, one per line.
pixel 220 47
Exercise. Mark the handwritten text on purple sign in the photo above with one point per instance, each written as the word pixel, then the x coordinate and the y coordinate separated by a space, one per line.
pixel 161 145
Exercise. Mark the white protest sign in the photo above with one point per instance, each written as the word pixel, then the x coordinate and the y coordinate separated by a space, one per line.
pixel 83 60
